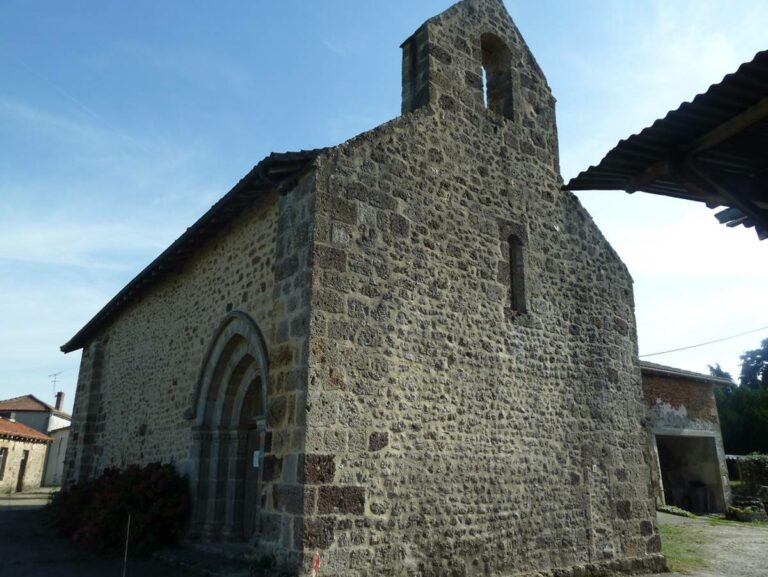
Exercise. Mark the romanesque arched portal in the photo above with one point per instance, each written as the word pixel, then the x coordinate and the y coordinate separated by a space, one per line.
pixel 229 411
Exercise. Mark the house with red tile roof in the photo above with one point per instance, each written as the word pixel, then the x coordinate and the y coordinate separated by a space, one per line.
pixel 50 421
pixel 22 456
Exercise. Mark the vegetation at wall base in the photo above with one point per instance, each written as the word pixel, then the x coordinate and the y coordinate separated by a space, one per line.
pixel 95 513
pixel 672 510
pixel 753 470
pixel 684 546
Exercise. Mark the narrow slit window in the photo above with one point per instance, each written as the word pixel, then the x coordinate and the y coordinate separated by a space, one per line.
pixel 497 76
pixel 516 274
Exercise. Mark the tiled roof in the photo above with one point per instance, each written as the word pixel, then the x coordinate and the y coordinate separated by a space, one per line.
pixel 30 403
pixel 275 172
pixel 14 430
pixel 665 371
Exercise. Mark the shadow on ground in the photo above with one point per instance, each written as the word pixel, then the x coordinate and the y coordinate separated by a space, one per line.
pixel 29 548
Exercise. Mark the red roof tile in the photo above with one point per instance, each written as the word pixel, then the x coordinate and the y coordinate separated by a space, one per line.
pixel 14 430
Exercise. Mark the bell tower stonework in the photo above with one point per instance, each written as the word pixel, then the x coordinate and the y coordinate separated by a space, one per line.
pixel 474 399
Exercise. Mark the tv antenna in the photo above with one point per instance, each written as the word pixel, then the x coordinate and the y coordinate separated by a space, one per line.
pixel 54 380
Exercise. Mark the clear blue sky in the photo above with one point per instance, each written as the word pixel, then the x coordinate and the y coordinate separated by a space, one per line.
pixel 122 122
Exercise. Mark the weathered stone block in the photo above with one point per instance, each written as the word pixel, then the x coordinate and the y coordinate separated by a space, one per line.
pixel 654 544
pixel 318 469
pixel 341 500
pixel 317 533
pixel 646 528
pixel 398 225
pixel 378 440
pixel 624 510
pixel 329 257
pixel 329 301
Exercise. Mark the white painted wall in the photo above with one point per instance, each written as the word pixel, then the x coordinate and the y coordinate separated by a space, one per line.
pixel 54 460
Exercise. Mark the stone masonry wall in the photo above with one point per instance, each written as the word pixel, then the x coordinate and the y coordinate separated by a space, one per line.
pixel 139 374
pixel 448 434
pixel 33 474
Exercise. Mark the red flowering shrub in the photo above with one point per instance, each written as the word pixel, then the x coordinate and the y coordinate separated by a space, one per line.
pixel 95 513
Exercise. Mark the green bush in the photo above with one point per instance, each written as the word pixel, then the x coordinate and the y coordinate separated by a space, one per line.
pixel 95 513
pixel 753 470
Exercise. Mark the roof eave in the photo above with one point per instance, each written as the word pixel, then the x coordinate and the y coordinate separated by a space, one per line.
pixel 258 181
pixel 687 375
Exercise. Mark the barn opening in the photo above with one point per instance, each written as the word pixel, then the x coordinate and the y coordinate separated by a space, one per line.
pixel 690 473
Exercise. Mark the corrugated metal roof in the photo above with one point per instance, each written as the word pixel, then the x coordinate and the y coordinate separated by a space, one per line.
pixel 274 172
pixel 741 158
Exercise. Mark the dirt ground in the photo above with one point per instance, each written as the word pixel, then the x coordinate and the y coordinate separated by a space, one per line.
pixel 714 549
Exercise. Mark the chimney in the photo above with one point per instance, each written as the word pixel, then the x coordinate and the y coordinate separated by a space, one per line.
pixel 59 400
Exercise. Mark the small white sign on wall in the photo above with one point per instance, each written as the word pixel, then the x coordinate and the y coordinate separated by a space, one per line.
pixel 256 457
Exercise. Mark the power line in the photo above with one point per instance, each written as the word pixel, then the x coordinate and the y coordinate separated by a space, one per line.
pixel 707 343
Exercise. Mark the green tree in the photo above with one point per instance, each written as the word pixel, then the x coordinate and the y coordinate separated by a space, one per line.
pixel 717 371
pixel 754 368
pixel 743 409
pixel 743 419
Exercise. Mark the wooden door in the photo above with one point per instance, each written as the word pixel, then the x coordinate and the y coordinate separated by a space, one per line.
pixel 22 471
pixel 253 463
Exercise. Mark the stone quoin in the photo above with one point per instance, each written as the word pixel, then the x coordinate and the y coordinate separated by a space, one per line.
pixel 412 352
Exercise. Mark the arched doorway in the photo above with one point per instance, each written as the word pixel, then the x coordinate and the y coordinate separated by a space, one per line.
pixel 229 413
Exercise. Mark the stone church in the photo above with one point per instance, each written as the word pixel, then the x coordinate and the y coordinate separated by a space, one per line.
pixel 412 353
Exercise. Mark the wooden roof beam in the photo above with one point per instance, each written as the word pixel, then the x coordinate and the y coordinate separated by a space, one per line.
pixel 697 179
pixel 731 127
pixel 670 166
pixel 662 169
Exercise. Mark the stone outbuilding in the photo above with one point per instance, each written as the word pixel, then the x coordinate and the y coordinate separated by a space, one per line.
pixel 22 456
pixel 688 467
pixel 49 420
pixel 412 353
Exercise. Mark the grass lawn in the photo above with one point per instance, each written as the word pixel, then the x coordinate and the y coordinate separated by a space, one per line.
pixel 684 546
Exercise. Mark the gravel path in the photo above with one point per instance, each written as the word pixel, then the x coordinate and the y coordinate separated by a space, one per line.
pixel 730 550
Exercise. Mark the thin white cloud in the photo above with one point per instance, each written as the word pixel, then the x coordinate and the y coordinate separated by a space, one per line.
pixel 60 242
pixel 333 47
pixel 659 62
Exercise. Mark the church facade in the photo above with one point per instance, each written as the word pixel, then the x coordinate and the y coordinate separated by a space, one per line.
pixel 411 353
